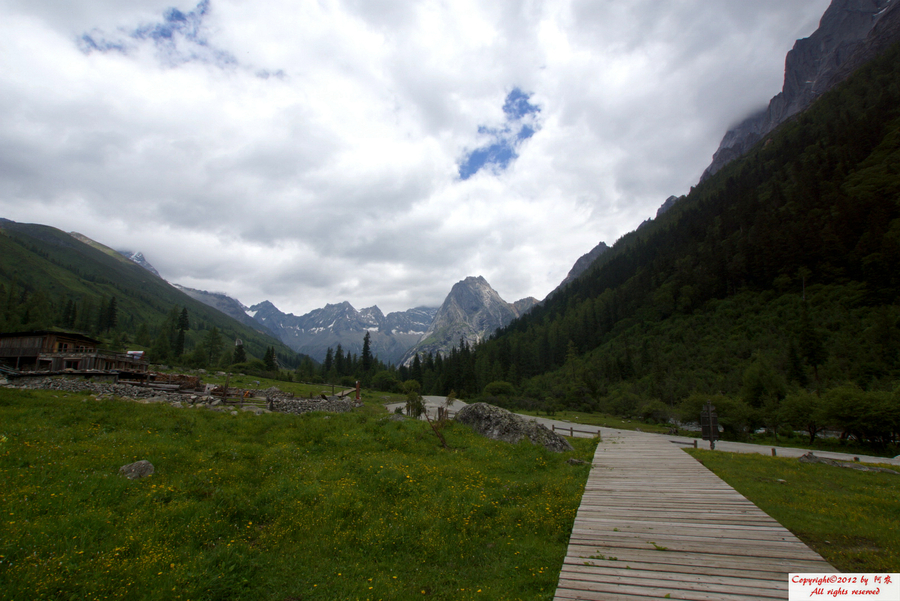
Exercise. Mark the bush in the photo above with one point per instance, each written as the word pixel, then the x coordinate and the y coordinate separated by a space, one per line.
pixel 735 416
pixel 386 381
pixel 499 389
pixel 655 411
pixel 872 417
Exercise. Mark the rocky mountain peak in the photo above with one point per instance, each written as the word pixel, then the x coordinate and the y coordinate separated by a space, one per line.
pixel 580 266
pixel 138 257
pixel 849 32
pixel 472 311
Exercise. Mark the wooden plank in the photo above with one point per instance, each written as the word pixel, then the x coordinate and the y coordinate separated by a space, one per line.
pixel 655 522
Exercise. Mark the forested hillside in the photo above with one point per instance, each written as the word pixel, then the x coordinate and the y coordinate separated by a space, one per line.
pixel 778 275
pixel 49 278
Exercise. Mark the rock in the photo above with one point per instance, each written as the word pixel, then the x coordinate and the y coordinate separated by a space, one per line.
pixel 138 469
pixel 154 399
pixel 574 461
pixel 473 311
pixel 811 458
pixel 177 404
pixel 255 410
pixel 499 424
pixel 850 33
pixel 298 406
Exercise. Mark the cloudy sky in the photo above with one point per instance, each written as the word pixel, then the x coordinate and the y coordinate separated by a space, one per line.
pixel 375 151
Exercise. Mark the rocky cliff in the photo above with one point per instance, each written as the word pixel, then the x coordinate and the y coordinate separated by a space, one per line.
pixel 850 33
pixel 472 311
pixel 580 266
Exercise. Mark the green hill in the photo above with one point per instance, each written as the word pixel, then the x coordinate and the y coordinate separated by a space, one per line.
pixel 779 274
pixel 49 278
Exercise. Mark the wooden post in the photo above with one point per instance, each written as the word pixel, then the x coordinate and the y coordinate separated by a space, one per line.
pixel 571 432
pixel 695 443
pixel 773 452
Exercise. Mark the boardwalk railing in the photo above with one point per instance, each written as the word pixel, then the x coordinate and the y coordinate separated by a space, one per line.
pixel 572 431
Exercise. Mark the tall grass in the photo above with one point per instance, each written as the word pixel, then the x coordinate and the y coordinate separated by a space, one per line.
pixel 851 518
pixel 348 506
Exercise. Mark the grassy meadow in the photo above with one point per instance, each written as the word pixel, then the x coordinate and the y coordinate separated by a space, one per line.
pixel 851 518
pixel 282 507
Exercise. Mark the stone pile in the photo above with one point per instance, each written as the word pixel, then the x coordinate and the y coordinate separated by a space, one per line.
pixel 128 391
pixel 276 400
pixel 331 405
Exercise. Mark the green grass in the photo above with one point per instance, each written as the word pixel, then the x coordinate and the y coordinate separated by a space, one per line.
pixel 833 445
pixel 282 507
pixel 851 518
pixel 299 389
pixel 602 419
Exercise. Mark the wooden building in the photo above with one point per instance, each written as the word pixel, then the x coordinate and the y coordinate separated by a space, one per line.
pixel 52 351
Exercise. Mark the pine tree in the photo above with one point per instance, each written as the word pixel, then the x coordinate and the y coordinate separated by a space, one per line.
pixel 339 364
pixel 182 325
pixel 240 356
pixel 102 324
pixel 213 344
pixel 112 314
pixel 269 358
pixel 143 335
pixel 366 354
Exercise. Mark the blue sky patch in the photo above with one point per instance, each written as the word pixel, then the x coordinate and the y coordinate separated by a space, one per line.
pixel 500 150
pixel 178 38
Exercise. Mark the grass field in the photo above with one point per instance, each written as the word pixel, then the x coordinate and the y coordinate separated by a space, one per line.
pixel 850 518
pixel 602 419
pixel 282 507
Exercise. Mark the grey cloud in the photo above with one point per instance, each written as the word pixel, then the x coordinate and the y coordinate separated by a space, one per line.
pixel 336 174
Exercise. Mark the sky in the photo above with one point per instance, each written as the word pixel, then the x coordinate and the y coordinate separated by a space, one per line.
pixel 372 151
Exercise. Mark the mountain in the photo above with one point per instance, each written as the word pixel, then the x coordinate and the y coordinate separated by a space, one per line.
pixel 472 311
pixel 50 278
pixel 581 265
pixel 227 305
pixel 670 202
pixel 138 257
pixel 134 257
pixel 777 275
pixel 314 333
pixel 850 33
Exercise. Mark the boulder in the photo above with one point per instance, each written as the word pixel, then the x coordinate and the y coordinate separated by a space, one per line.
pixel 811 458
pixel 499 424
pixel 153 399
pixel 138 469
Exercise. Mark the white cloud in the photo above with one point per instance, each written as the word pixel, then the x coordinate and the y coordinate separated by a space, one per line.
pixel 320 163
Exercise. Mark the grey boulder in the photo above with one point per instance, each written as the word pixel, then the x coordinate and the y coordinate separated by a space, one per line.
pixel 499 424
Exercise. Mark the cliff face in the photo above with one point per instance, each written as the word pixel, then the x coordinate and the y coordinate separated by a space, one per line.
pixel 850 33
pixel 472 311
pixel 340 324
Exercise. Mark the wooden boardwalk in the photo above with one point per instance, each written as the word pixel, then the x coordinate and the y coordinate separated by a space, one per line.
pixel 655 524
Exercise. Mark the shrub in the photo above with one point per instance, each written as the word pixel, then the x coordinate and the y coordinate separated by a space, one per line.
pixel 499 389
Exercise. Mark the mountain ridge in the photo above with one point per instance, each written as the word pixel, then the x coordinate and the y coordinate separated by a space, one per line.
pixel 472 311
pixel 341 324
pixel 849 33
